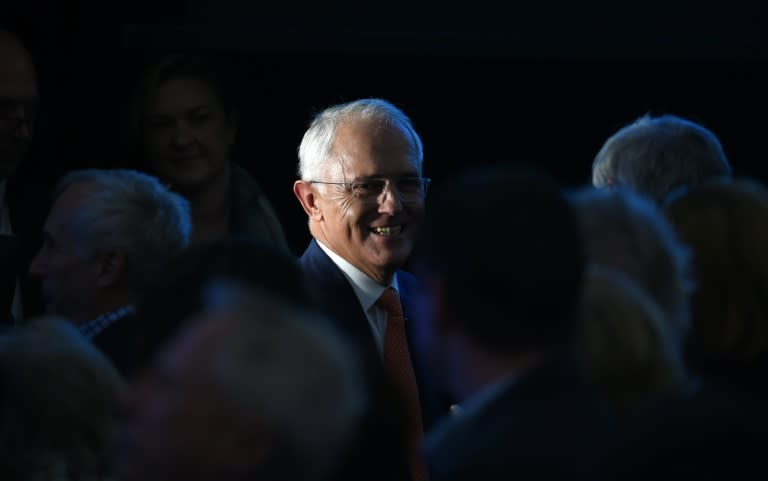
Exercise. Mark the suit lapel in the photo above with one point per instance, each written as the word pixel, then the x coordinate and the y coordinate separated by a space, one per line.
pixel 337 297
pixel 340 302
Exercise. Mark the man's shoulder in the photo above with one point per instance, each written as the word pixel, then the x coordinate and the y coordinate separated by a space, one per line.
pixel 121 343
pixel 316 263
pixel 325 276
pixel 519 422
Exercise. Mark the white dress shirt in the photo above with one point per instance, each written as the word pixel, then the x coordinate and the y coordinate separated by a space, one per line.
pixel 368 292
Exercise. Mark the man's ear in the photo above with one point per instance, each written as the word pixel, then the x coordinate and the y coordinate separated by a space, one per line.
pixel 112 266
pixel 304 191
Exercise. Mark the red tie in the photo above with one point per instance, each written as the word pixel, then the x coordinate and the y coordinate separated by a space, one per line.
pixel 397 361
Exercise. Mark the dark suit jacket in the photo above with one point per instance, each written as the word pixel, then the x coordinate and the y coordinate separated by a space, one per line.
pixel 27 206
pixel 547 425
pixel 383 425
pixel 120 342
pixel 337 297
pixel 9 273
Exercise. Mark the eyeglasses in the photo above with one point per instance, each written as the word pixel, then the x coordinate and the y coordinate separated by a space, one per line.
pixel 15 113
pixel 411 189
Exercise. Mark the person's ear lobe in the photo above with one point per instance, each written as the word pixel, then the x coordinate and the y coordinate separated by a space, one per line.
pixel 112 266
pixel 304 191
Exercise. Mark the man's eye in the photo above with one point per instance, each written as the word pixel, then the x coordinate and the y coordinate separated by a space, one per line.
pixel 11 107
pixel 160 122
pixel 200 119
pixel 368 187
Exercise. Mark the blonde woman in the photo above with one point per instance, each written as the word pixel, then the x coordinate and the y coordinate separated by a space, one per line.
pixel 630 350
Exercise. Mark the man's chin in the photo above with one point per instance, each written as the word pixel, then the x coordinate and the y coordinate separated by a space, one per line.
pixel 398 254
pixel 391 262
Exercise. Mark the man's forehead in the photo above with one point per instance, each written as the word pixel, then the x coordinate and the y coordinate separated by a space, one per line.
pixel 17 73
pixel 69 201
pixel 367 139
pixel 345 167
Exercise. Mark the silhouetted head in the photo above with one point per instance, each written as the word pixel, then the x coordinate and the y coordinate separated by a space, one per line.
pixel 502 260
pixel 19 98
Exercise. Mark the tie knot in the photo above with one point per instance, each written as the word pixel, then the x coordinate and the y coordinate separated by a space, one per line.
pixel 390 302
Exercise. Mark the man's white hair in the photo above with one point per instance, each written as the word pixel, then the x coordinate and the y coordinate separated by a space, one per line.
pixel 315 151
pixel 658 155
pixel 131 211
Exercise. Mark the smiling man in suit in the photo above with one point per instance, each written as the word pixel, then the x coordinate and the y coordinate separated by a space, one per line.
pixel 362 188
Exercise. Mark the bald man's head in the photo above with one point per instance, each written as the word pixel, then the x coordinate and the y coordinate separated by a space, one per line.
pixel 18 102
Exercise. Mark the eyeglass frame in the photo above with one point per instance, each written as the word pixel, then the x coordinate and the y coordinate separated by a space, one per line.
pixel 10 117
pixel 350 185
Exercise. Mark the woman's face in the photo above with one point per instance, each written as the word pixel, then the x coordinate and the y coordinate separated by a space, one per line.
pixel 188 134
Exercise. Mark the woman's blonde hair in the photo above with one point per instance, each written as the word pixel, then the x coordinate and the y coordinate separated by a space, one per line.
pixel 725 224
pixel 629 349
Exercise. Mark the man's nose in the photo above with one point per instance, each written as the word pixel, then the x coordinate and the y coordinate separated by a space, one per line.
pixel 390 200
pixel 24 119
pixel 23 130
pixel 182 135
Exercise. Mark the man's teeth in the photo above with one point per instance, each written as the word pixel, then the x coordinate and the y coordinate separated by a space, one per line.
pixel 389 230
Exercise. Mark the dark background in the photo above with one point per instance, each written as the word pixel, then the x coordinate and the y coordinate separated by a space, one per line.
pixel 544 83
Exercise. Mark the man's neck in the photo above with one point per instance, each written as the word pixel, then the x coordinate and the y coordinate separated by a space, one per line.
pixel 383 278
pixel 106 305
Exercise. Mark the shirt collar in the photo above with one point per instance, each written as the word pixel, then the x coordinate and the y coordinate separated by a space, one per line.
pixel 367 290
pixel 95 326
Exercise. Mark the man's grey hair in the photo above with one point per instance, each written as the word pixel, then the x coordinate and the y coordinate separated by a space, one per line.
pixel 316 149
pixel 627 232
pixel 131 211
pixel 658 155
pixel 281 364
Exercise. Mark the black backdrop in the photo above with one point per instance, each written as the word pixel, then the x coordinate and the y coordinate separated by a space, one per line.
pixel 544 83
